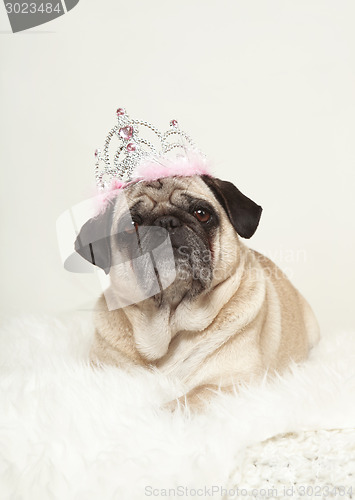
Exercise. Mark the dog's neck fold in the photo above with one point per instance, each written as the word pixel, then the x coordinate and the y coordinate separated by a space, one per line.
pixel 154 326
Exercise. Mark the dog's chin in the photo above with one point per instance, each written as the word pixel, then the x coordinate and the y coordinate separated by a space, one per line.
pixel 190 282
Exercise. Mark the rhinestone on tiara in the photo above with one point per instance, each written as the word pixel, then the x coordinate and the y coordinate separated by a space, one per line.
pixel 119 161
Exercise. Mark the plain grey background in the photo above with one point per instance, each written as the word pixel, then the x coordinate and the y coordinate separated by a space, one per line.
pixel 266 89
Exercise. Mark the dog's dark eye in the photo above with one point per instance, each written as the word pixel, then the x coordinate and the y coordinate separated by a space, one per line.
pixel 131 227
pixel 202 215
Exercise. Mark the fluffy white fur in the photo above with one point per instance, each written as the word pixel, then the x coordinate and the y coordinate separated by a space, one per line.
pixel 70 432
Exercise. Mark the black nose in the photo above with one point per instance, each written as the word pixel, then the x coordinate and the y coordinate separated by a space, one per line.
pixel 167 222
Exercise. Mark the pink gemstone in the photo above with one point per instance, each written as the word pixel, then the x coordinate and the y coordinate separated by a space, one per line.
pixel 131 147
pixel 120 112
pixel 173 123
pixel 126 132
pixel 97 151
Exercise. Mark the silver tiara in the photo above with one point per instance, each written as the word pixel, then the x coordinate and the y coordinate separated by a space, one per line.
pixel 119 161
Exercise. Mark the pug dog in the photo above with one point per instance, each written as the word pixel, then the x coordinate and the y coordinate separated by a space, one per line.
pixel 229 316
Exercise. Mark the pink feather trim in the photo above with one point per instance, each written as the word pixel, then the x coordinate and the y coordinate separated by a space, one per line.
pixel 180 167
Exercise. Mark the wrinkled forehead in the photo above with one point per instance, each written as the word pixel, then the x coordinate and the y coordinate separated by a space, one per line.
pixel 166 191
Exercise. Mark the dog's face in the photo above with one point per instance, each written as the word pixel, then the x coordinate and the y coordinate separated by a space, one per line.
pixel 199 216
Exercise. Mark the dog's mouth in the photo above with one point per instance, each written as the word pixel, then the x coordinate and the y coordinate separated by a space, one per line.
pixel 172 263
pixel 193 268
pixel 179 271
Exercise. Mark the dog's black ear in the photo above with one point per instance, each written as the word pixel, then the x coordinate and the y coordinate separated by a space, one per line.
pixel 93 241
pixel 243 213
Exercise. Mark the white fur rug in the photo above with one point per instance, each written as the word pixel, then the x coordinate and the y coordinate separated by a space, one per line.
pixel 68 432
